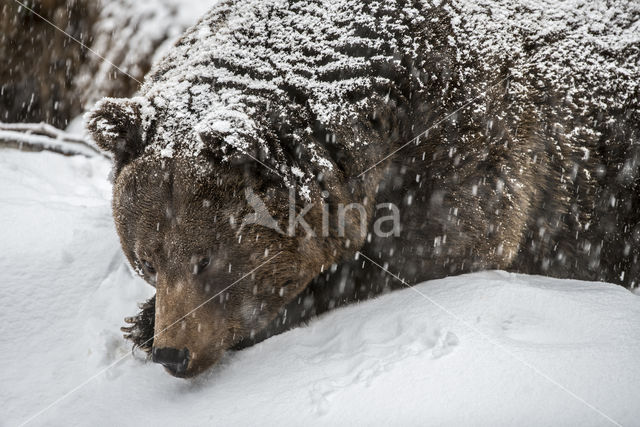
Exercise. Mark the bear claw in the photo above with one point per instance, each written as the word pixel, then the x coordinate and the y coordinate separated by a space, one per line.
pixel 141 328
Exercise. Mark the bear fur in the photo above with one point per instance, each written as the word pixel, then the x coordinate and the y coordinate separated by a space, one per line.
pixel 40 62
pixel 526 157
pixel 47 76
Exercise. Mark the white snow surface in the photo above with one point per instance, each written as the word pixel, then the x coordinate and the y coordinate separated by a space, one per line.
pixel 495 349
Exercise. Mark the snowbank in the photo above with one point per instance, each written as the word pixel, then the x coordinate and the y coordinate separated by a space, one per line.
pixel 511 349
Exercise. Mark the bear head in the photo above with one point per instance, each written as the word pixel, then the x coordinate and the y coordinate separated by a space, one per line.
pixel 208 235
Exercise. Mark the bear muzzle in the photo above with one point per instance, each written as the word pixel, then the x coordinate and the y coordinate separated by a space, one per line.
pixel 175 361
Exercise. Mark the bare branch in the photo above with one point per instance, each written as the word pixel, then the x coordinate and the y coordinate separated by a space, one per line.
pixel 42 136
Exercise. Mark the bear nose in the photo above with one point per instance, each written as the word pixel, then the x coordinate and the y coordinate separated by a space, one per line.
pixel 174 360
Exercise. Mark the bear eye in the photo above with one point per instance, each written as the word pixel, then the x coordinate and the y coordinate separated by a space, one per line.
pixel 202 264
pixel 148 267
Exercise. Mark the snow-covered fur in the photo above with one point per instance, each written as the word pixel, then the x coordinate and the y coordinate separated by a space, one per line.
pixel 506 132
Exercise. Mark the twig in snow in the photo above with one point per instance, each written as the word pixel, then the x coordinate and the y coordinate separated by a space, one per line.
pixel 44 137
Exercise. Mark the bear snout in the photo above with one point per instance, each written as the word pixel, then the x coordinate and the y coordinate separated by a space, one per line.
pixel 174 360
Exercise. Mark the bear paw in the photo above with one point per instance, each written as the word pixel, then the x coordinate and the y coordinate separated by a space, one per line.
pixel 141 327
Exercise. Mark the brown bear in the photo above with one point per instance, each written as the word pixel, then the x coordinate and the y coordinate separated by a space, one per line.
pixel 50 75
pixel 40 62
pixel 278 147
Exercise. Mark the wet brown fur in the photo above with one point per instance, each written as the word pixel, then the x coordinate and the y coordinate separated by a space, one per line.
pixel 40 62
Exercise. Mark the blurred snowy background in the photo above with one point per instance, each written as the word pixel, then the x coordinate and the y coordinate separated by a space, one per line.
pixel 496 349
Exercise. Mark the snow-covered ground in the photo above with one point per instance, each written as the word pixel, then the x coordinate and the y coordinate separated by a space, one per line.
pixel 507 350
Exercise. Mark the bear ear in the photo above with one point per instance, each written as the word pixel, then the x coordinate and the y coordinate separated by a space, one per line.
pixel 119 126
